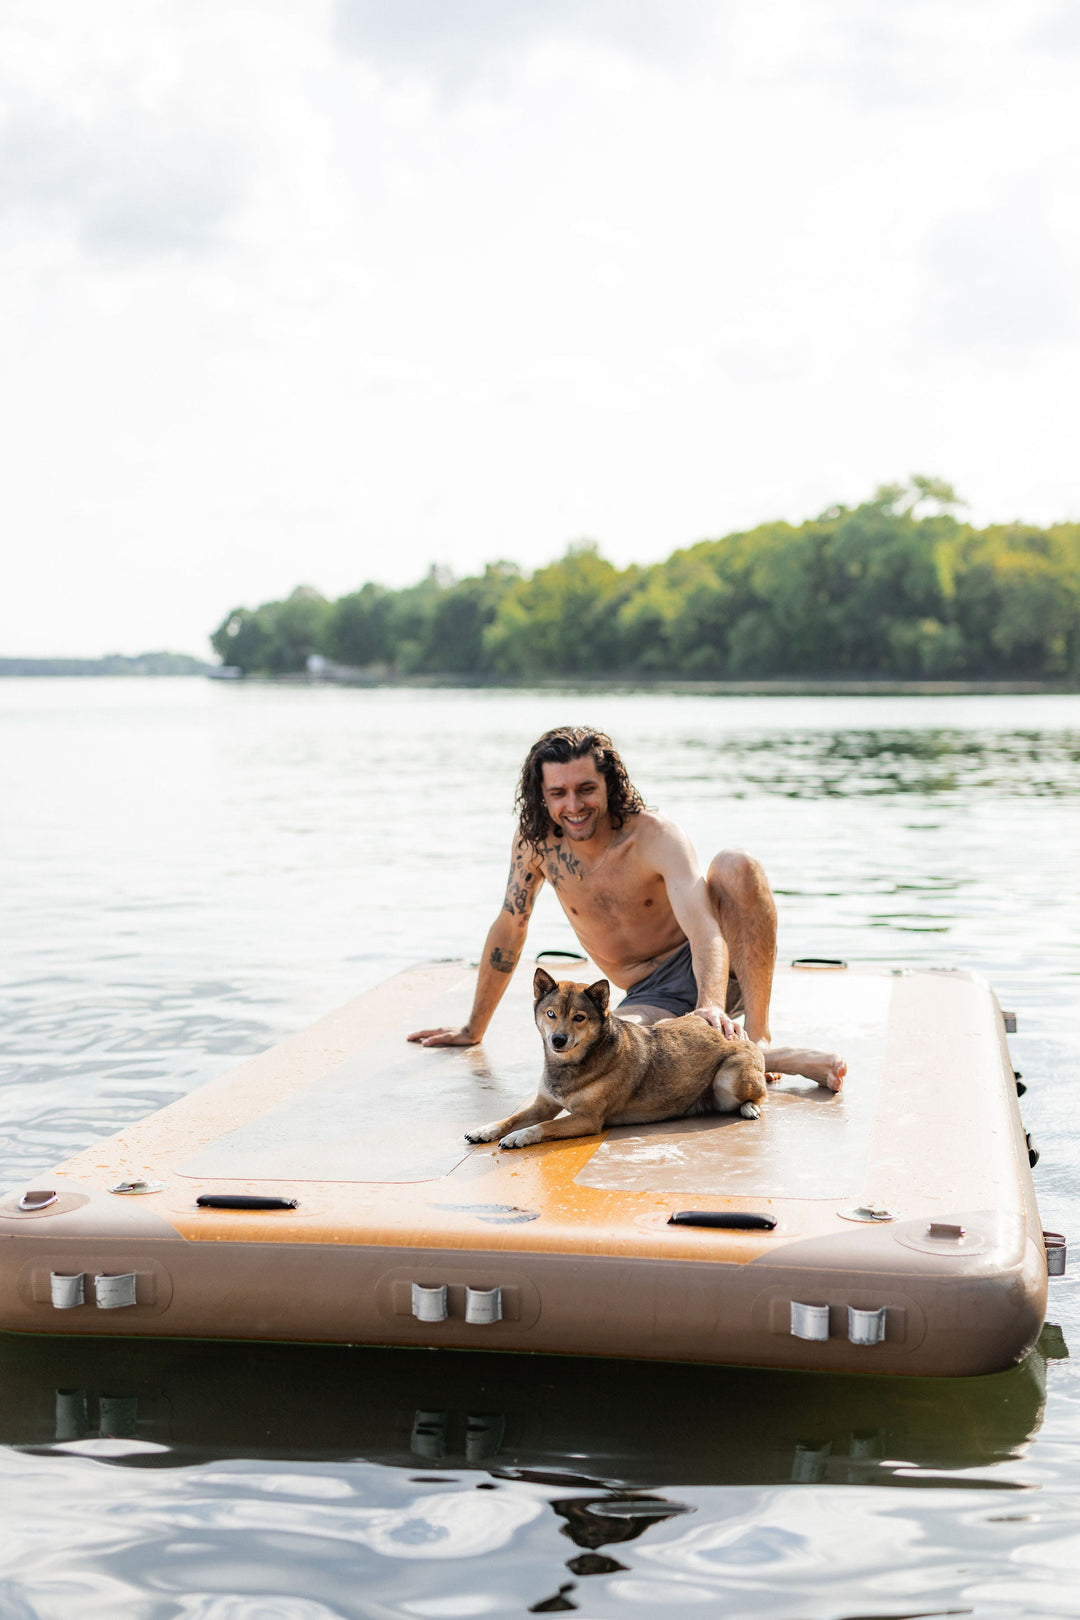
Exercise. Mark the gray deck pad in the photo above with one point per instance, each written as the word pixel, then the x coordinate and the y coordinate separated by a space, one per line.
pixel 392 1112
pixel 809 1143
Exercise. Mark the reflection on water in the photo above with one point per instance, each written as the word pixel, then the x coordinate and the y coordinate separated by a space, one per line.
pixel 190 873
pixel 849 763
pixel 278 1469
pixel 536 1418
pixel 1028 766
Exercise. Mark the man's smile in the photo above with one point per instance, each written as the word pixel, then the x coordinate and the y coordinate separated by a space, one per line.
pixel 576 798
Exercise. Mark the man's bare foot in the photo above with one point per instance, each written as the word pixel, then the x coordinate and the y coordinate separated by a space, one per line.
pixel 824 1068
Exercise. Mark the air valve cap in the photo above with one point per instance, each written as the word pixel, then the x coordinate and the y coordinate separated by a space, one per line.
pixel 809 1321
pixel 112 1293
pixel 67 1291
pixel 483 1305
pixel 429 1304
pixel 865 1327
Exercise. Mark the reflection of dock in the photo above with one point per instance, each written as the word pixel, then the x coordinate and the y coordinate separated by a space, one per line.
pixel 612 1424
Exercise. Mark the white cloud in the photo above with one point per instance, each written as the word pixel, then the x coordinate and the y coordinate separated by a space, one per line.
pixel 880 58
pixel 1058 30
pixel 275 311
pixel 133 183
pixel 1001 277
pixel 462 43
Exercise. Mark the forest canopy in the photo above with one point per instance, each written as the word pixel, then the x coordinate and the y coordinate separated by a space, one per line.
pixel 898 586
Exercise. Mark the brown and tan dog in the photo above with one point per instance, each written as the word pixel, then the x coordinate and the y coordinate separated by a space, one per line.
pixel 606 1071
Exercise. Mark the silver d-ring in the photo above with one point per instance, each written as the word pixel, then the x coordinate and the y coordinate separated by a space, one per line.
pixel 37 1199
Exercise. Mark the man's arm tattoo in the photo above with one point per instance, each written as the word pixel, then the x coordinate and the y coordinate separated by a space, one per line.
pixel 503 961
pixel 519 893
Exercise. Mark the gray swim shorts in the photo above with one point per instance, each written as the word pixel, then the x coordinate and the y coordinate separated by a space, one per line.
pixel 673 987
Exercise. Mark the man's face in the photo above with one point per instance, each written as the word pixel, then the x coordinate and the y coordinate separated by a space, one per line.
pixel 576 796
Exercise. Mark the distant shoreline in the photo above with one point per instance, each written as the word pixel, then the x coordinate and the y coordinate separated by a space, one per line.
pixel 153 664
pixel 781 686
pixel 777 686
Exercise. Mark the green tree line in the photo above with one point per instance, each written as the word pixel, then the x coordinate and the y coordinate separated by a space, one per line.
pixel 897 586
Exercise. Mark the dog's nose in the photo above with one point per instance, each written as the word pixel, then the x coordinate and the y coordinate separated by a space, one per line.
pixel 559 1041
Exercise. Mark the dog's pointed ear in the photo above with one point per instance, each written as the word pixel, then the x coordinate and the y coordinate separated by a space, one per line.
pixel 543 984
pixel 600 994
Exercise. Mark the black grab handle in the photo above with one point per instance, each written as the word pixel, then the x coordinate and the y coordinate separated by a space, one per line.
pixel 731 1220
pixel 243 1201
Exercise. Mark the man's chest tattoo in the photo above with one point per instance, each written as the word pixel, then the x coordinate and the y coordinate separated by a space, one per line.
pixel 561 864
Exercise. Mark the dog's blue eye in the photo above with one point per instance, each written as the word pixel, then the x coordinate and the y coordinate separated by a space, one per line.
pixel 550 1013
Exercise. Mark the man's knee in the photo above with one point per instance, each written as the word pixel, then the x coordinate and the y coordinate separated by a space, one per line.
pixel 735 875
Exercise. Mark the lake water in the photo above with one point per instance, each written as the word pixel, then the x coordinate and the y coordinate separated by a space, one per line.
pixel 191 871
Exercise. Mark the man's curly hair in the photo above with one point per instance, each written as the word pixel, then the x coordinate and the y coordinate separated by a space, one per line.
pixel 560 747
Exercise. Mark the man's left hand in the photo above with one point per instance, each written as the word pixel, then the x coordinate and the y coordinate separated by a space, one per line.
pixel 719 1020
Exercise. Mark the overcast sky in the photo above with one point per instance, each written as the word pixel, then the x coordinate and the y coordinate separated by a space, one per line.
pixel 320 291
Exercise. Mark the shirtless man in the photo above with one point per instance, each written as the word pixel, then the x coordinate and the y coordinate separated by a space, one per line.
pixel 629 883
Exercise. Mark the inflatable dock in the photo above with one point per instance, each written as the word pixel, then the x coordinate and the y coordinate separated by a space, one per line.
pixel 324 1193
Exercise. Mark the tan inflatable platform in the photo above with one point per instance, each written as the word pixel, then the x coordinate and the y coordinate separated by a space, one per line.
pixel 890 1228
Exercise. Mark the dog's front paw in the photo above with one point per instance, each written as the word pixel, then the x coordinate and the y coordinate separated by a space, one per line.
pixel 484 1133
pixel 524 1138
pixel 750 1111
